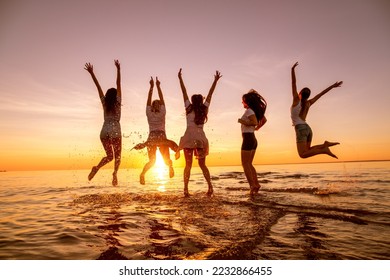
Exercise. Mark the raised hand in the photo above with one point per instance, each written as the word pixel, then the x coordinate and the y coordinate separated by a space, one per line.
pixel 217 75
pixel 89 67
pixel 179 74
pixel 295 65
pixel 117 64
pixel 151 82
pixel 157 82
pixel 338 84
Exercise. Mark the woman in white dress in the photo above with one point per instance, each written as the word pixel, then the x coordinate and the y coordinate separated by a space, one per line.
pixel 194 140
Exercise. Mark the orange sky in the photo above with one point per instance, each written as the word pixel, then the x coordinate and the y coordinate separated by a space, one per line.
pixel 50 115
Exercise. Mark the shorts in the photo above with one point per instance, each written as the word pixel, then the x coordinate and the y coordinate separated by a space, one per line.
pixel 249 142
pixel 303 133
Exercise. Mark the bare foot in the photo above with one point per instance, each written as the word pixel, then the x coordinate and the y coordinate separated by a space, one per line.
pixel 92 173
pixel 177 155
pixel 256 189
pixel 328 152
pixel 142 179
pixel 139 146
pixel 210 191
pixel 186 193
pixel 330 144
pixel 114 180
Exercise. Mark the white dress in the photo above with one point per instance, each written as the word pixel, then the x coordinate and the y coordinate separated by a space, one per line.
pixel 194 136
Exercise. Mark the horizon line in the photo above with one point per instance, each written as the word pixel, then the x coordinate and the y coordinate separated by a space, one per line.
pixel 220 165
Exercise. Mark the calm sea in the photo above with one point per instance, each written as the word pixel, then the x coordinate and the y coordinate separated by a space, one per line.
pixel 308 211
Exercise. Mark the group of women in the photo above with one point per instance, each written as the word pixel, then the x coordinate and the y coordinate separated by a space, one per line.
pixel 194 140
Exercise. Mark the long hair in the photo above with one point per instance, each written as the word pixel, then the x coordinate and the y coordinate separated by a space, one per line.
pixel 110 99
pixel 256 102
pixel 199 109
pixel 305 94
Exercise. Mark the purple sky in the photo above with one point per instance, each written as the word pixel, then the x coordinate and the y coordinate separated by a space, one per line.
pixel 49 107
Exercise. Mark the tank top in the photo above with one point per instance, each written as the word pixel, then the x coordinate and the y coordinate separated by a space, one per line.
pixel 296 119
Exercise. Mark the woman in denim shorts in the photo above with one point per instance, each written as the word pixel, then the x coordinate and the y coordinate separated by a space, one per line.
pixel 299 110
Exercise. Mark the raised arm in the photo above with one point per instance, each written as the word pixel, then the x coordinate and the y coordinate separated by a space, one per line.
pixel 318 96
pixel 160 94
pixel 217 76
pixel 294 84
pixel 183 88
pixel 149 101
pixel 118 80
pixel 89 67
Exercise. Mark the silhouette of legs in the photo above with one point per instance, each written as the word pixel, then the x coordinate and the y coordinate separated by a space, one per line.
pixel 206 174
pixel 164 150
pixel 152 160
pixel 113 149
pixel 249 170
pixel 188 154
pixel 305 149
pixel 117 146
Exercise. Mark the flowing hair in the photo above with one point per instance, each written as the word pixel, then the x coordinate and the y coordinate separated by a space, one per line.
pixel 110 100
pixel 305 94
pixel 256 102
pixel 199 109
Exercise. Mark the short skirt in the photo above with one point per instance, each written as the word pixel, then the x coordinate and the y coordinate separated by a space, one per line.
pixel 111 130
pixel 195 138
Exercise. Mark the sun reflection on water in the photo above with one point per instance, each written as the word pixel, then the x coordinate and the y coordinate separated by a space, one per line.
pixel 160 171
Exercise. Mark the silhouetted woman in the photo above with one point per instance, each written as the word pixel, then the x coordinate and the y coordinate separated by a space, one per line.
pixel 194 140
pixel 299 110
pixel 155 112
pixel 253 119
pixel 110 135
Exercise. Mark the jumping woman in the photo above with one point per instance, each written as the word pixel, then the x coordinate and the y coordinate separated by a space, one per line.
pixel 194 140
pixel 299 110
pixel 110 134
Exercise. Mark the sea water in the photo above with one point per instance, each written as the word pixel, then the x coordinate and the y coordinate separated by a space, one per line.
pixel 304 211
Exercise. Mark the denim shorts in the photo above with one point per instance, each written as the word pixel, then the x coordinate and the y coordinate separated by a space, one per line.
pixel 303 133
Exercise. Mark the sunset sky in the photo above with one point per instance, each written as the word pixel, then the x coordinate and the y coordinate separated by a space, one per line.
pixel 50 113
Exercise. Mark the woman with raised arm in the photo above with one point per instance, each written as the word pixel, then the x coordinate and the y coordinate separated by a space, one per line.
pixel 155 113
pixel 299 110
pixel 194 140
pixel 253 119
pixel 110 134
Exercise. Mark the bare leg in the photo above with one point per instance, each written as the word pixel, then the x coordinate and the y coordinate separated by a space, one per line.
pixel 117 144
pixel 107 145
pixel 249 170
pixel 164 150
pixel 257 185
pixel 152 160
pixel 172 145
pixel 188 154
pixel 206 174
pixel 305 150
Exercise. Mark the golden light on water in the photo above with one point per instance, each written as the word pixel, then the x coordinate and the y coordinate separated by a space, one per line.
pixel 160 172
